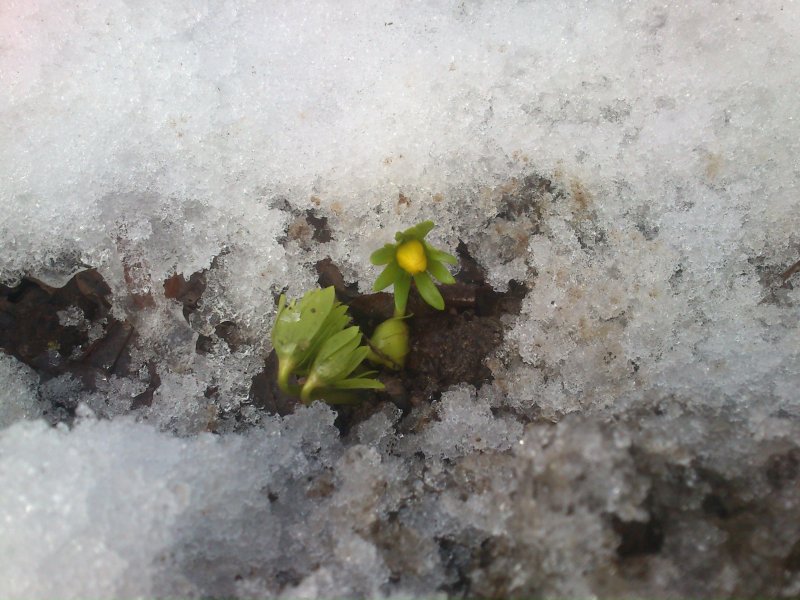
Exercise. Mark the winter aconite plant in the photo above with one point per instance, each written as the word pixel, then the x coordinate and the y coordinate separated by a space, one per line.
pixel 412 258
pixel 314 344
pixel 320 354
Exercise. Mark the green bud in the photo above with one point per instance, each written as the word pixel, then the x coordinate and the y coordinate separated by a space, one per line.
pixel 389 344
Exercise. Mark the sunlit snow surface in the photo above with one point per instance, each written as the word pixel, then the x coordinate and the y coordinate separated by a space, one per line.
pixel 649 388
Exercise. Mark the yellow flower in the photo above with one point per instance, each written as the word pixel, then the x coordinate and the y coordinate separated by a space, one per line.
pixel 411 257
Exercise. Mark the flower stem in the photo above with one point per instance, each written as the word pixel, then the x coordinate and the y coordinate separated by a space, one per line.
pixel 308 387
pixel 284 371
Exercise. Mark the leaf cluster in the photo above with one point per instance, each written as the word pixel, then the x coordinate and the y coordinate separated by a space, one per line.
pixel 312 340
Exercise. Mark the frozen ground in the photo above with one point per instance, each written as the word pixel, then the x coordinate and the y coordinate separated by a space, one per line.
pixel 640 435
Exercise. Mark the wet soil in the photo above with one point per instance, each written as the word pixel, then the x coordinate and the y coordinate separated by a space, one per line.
pixel 67 330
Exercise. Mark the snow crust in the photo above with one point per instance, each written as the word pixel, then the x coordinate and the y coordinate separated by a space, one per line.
pixel 640 435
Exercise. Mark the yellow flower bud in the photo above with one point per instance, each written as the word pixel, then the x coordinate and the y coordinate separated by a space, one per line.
pixel 411 257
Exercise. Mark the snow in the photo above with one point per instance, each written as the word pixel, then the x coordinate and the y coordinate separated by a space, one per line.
pixel 18 396
pixel 634 164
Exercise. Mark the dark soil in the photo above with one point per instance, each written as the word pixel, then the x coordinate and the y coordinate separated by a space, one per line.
pixel 31 331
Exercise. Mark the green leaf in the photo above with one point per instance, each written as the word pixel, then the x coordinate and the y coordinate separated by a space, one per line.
pixel 383 255
pixel 365 374
pixel 334 358
pixel 337 342
pixel 335 322
pixel 401 288
pixel 428 291
pixel 435 254
pixel 439 271
pixel 388 277
pixel 359 383
pixel 357 356
pixel 419 231
pixel 297 323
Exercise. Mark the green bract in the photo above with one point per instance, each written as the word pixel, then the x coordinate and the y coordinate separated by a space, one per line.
pixel 413 265
pixel 311 339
